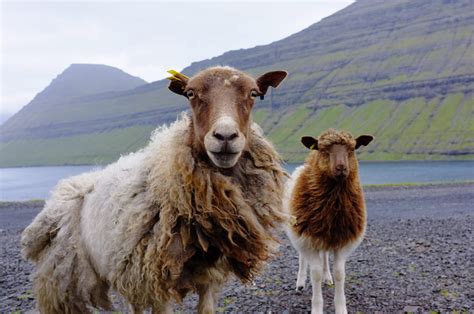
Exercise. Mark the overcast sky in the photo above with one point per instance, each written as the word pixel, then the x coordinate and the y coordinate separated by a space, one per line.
pixel 40 39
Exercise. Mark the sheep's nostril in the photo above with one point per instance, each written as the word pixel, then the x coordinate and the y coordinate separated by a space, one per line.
pixel 219 136
pixel 232 136
pixel 226 137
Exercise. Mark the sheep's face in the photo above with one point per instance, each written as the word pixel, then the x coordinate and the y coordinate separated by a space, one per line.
pixel 336 152
pixel 221 100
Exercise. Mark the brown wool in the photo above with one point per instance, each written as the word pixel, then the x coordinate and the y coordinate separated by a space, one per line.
pixel 330 212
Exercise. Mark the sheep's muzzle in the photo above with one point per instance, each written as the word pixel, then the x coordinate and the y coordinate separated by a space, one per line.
pixel 224 143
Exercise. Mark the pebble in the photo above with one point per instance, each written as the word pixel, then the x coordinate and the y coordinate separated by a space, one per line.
pixel 400 279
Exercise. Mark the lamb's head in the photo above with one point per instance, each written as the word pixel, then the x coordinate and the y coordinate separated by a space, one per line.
pixel 335 152
pixel 221 100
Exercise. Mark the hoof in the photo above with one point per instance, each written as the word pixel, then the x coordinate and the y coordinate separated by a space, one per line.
pixel 299 288
pixel 328 280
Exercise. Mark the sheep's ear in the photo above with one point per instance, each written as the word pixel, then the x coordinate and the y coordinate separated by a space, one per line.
pixel 178 82
pixel 268 79
pixel 310 142
pixel 177 86
pixel 363 140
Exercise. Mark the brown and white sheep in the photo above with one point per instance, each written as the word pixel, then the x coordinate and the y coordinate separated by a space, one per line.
pixel 326 204
pixel 193 207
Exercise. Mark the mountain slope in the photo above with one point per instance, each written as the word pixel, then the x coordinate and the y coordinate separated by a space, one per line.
pixel 400 70
pixel 70 87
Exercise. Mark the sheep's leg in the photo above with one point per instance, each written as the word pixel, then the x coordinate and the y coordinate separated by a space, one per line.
pixel 207 298
pixel 316 264
pixel 340 276
pixel 302 273
pixel 135 309
pixel 327 272
pixel 166 307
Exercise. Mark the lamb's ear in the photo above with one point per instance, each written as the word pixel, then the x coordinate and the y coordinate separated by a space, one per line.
pixel 363 140
pixel 268 79
pixel 310 142
pixel 177 86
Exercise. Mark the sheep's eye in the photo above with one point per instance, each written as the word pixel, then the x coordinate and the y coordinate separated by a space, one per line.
pixel 253 94
pixel 190 94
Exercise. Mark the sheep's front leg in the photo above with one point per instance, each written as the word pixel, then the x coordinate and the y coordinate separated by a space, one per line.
pixel 302 273
pixel 164 307
pixel 316 265
pixel 340 276
pixel 327 272
pixel 207 298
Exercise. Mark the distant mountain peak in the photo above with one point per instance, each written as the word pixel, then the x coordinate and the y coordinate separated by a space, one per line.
pixel 76 81
pixel 80 79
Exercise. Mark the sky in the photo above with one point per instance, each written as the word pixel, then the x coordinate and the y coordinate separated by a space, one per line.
pixel 40 39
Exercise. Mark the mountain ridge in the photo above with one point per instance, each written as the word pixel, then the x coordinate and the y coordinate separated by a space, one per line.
pixel 75 83
pixel 400 70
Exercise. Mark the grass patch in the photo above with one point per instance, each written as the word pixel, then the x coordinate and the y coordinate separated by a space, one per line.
pixel 94 148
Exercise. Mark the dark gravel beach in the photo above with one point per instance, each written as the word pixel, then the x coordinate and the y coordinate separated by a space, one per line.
pixel 417 257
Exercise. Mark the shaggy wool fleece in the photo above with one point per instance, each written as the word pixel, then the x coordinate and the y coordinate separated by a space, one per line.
pixel 156 224
pixel 329 212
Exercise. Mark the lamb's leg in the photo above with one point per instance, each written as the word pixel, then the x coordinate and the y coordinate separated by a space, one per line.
pixel 316 264
pixel 207 298
pixel 327 272
pixel 340 276
pixel 302 273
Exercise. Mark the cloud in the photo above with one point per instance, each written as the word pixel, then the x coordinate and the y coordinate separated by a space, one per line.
pixel 40 39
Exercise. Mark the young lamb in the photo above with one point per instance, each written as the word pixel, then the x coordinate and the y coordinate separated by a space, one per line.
pixel 326 204
pixel 193 207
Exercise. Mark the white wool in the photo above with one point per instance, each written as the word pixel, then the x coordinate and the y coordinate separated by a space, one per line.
pixel 125 182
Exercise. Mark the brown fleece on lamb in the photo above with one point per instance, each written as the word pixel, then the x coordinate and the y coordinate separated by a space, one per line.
pixel 329 211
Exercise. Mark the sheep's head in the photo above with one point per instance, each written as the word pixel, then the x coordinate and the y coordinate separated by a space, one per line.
pixel 336 152
pixel 221 100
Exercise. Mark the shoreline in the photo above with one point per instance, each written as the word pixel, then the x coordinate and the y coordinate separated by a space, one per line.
pixel 285 162
pixel 367 187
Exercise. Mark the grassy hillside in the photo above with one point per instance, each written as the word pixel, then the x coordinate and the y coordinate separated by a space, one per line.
pixel 416 128
pixel 400 70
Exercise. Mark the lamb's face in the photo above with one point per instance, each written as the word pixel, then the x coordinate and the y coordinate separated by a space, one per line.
pixel 336 152
pixel 338 159
pixel 221 100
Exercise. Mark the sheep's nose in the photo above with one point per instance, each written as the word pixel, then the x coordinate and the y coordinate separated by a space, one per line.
pixel 340 167
pixel 225 130
pixel 225 136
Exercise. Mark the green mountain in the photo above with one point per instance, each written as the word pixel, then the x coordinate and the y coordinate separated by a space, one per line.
pixel 400 70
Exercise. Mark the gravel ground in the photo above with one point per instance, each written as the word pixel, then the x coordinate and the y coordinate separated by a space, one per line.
pixel 417 257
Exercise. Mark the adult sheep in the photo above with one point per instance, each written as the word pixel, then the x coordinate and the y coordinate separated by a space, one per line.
pixel 325 200
pixel 194 206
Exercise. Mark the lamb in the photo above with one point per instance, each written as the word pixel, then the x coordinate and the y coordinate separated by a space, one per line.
pixel 192 208
pixel 325 203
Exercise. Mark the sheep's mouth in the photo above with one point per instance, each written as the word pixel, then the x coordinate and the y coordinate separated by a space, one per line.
pixel 224 159
pixel 341 176
pixel 225 154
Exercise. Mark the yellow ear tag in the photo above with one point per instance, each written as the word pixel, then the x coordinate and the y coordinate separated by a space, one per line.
pixel 176 76
pixel 312 146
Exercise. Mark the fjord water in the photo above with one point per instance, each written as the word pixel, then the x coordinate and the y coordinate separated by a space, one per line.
pixel 19 184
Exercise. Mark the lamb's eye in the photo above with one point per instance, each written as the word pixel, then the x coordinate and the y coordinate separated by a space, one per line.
pixel 190 94
pixel 253 94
